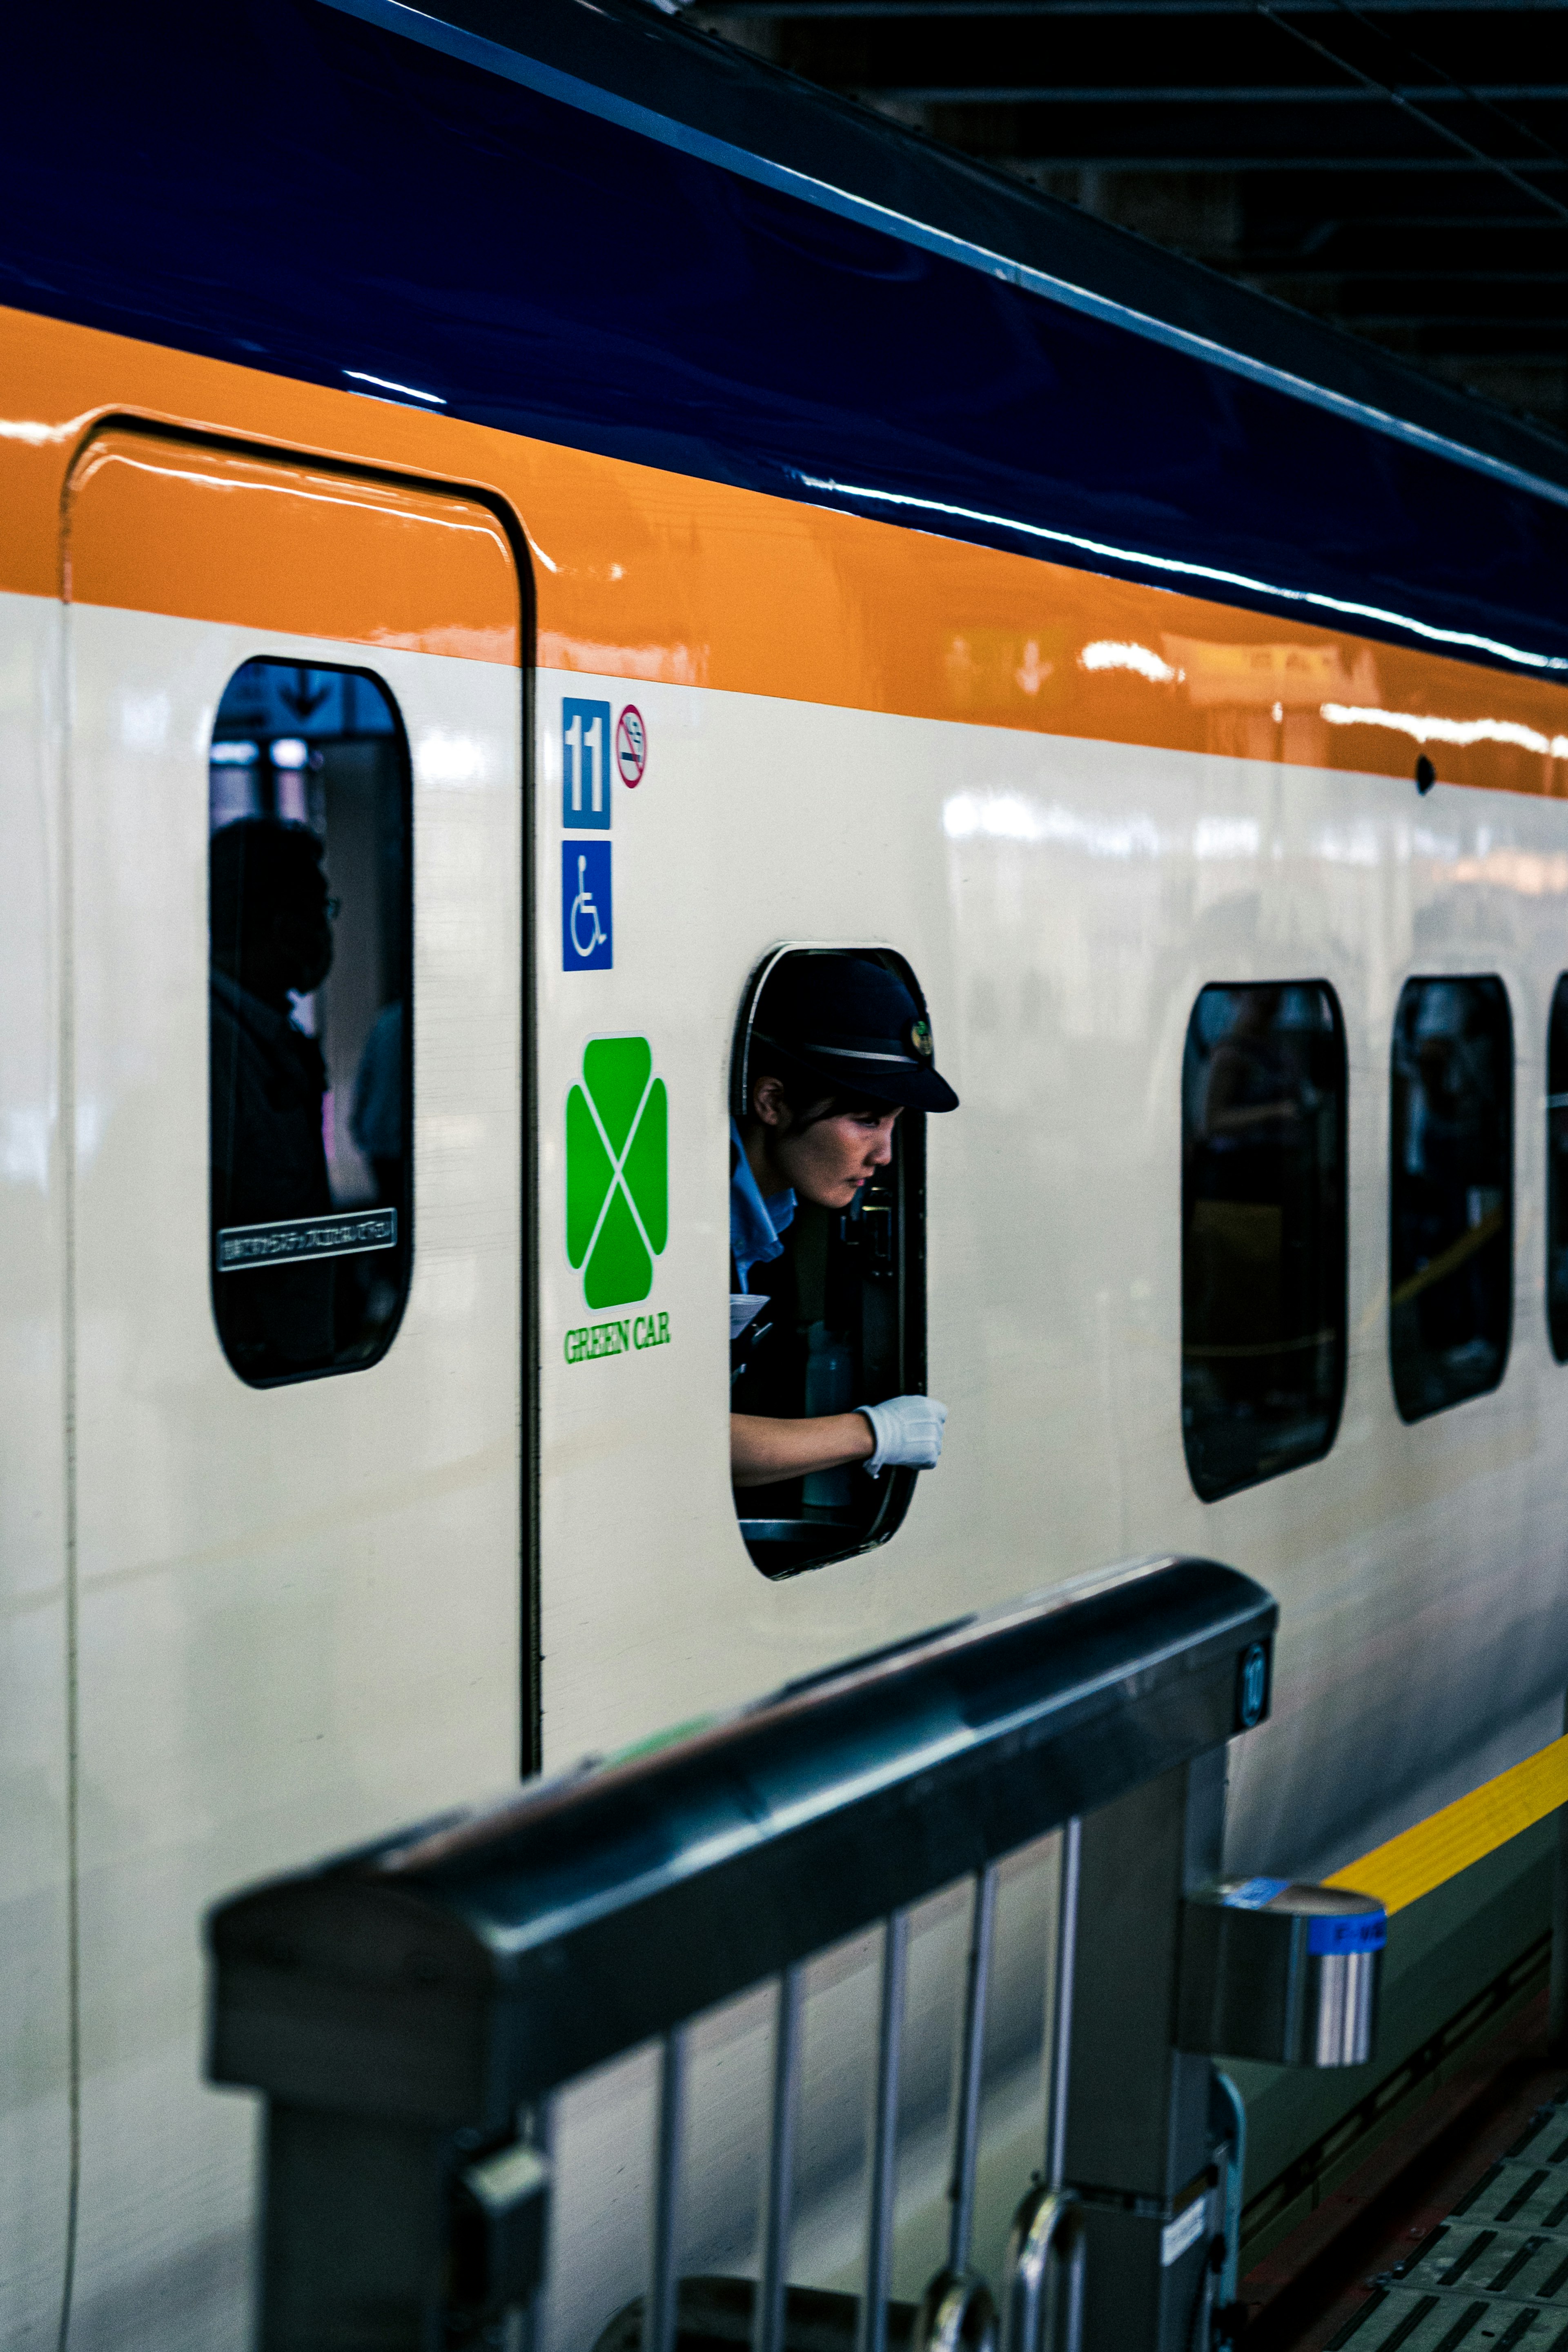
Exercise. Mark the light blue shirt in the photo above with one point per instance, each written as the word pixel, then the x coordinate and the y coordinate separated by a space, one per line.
pixel 757 1222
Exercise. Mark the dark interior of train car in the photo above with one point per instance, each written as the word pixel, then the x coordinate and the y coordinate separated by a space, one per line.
pixel 1263 1224
pixel 1450 1192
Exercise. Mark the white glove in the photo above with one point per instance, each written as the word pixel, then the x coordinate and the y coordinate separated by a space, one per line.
pixel 907 1431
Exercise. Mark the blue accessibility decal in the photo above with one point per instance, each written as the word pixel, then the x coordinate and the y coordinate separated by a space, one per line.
pixel 587 922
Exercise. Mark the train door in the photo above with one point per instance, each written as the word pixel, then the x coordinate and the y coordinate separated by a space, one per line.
pixel 294 961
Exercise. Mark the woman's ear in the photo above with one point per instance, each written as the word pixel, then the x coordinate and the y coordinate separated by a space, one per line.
pixel 768 1102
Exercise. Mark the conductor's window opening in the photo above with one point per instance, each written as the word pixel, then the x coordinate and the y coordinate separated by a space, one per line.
pixel 827 1293
pixel 310 915
pixel 1262 1232
pixel 1450 1271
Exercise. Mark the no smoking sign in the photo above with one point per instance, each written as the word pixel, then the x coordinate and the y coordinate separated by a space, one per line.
pixel 631 745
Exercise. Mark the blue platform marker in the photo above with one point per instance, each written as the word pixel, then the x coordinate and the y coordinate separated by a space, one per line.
pixel 1353 1931
pixel 1254 1893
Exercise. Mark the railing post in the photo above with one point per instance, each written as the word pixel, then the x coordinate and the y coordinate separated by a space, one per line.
pixel 1137 2107
pixel 354 2235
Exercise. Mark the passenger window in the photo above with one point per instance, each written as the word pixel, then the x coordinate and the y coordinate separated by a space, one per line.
pixel 1557 1171
pixel 1262 1232
pixel 310 919
pixel 1450 1274
pixel 837 1318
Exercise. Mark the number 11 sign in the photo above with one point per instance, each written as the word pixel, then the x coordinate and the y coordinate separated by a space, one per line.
pixel 584 766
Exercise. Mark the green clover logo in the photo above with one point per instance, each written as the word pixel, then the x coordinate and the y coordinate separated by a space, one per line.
pixel 617 1171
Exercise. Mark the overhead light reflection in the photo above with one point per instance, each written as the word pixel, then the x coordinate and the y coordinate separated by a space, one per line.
pixel 1532 873
pixel 1007 816
pixel 1352 844
pixel 406 391
pixel 1427 728
pixel 25 428
pixel 1228 837
pixel 444 759
pixel 1110 653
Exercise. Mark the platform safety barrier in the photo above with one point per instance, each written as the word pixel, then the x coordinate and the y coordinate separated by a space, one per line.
pixel 411 2012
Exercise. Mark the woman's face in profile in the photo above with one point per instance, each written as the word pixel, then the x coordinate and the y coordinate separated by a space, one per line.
pixel 828 1161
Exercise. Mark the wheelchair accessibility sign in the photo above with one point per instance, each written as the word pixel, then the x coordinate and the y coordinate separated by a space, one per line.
pixel 587 925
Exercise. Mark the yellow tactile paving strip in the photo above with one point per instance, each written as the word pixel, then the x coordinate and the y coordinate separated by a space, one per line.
pixel 1438 1848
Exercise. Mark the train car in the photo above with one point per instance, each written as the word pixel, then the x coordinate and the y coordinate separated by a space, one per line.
pixel 514 521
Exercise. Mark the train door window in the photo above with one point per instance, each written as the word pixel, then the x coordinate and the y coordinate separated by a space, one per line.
pixel 309 916
pixel 1557 1171
pixel 1262 1232
pixel 1450 1274
pixel 836 1319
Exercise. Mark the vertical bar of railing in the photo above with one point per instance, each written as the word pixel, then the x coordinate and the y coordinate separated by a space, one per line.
pixel 663 2283
pixel 540 2128
pixel 966 2148
pixel 871 2330
pixel 768 2329
pixel 1061 2002
pixel 1046 2218
pixel 1235 2185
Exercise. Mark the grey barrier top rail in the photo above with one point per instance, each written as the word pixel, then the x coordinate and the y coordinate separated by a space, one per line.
pixel 482 1960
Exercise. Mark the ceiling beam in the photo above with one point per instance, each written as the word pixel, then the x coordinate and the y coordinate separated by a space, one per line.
pixel 1207 94
pixel 1143 160
pixel 718 13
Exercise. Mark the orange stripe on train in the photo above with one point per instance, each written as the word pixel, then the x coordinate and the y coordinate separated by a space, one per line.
pixel 640 573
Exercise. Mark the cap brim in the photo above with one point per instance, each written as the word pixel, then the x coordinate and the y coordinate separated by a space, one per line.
pixel 902 1085
pixel 917 1090
pixel 906 1087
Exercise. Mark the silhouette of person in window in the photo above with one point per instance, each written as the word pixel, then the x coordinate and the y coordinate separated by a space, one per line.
pixel 376 1115
pixel 271 941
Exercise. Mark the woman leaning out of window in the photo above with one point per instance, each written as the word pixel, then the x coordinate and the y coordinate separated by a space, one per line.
pixel 839 1049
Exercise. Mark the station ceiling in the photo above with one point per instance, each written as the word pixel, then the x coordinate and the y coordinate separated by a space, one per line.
pixel 1397 167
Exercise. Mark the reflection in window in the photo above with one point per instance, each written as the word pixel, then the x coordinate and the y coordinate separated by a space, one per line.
pixel 1557 1171
pixel 1262 1232
pixel 1451 1192
pixel 308 911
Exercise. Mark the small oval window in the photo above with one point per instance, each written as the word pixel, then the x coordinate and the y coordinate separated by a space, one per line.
pixel 309 920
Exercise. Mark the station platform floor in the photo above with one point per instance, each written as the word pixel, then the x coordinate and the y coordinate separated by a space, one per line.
pixel 1452 2236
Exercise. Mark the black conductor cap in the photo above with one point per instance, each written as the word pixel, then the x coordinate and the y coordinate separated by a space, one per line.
pixel 852 1023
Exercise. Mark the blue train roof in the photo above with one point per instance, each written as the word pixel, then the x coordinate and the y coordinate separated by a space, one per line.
pixel 584 223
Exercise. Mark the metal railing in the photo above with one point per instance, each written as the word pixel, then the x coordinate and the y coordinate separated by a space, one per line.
pixel 412 2012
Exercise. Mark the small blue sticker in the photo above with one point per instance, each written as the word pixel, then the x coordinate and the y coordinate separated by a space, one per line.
pixel 1254 1893
pixel 587 924
pixel 1349 1931
pixel 584 766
